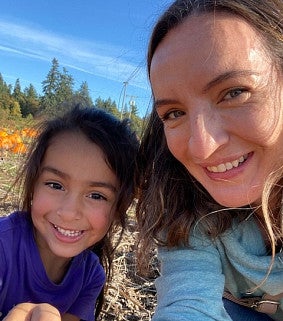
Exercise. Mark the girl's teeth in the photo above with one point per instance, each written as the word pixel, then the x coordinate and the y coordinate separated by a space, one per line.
pixel 227 166
pixel 71 233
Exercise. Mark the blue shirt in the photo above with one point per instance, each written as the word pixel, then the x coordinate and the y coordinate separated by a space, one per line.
pixel 193 279
pixel 23 277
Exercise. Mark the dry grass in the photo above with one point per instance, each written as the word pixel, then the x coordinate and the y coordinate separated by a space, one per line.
pixel 129 296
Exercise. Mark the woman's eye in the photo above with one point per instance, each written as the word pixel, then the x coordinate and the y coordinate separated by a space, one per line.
pixel 234 93
pixel 54 185
pixel 172 115
pixel 97 196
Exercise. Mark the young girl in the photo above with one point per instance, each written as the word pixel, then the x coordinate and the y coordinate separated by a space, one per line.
pixel 77 184
pixel 211 160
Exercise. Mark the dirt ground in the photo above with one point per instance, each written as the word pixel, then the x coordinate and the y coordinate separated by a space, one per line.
pixel 130 296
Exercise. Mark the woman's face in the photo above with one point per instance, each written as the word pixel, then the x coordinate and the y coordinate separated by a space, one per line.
pixel 219 96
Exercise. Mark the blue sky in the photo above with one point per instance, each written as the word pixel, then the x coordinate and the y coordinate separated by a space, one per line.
pixel 102 42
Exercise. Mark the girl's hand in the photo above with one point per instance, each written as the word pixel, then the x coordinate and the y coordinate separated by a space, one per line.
pixel 33 312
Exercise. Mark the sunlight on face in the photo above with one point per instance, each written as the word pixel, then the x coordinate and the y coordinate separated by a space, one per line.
pixel 74 197
pixel 219 96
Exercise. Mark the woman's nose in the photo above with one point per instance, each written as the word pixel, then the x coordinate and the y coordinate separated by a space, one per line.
pixel 207 134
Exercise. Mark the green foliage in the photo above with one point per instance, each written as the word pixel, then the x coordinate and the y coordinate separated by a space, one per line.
pixel 82 96
pixel 58 95
pixel 31 104
pixel 107 105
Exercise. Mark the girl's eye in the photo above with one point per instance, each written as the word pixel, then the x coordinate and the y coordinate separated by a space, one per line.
pixel 96 196
pixel 172 115
pixel 54 185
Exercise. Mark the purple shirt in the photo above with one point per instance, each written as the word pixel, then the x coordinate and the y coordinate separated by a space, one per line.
pixel 23 277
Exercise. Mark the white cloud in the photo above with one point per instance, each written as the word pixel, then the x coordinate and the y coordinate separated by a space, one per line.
pixel 99 59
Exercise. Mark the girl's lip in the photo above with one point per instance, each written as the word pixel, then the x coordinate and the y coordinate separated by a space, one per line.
pixel 67 235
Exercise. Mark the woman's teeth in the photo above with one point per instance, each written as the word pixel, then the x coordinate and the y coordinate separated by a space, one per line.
pixel 227 166
pixel 71 233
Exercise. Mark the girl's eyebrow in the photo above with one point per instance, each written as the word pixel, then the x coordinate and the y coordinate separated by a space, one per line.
pixel 54 171
pixel 103 184
pixel 228 75
pixel 61 174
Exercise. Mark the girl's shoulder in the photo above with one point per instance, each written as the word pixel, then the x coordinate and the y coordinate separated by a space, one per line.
pixel 15 220
pixel 87 268
pixel 88 261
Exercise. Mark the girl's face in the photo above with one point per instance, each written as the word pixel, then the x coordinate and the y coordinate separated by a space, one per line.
pixel 220 98
pixel 74 197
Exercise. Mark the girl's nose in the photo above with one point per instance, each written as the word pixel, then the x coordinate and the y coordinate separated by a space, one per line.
pixel 207 134
pixel 70 209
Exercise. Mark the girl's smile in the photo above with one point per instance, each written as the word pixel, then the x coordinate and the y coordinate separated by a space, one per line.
pixel 70 235
pixel 221 107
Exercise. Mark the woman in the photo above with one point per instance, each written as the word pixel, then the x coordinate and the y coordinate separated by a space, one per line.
pixel 211 160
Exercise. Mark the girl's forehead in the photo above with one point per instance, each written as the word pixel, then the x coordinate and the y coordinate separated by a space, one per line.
pixel 78 158
pixel 75 142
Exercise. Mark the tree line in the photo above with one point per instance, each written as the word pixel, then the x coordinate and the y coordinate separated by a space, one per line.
pixel 58 94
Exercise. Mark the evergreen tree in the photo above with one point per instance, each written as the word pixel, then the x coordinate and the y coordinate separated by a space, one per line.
pixel 64 91
pixel 32 102
pixel 82 95
pixel 18 95
pixel 136 121
pixel 49 88
pixel 4 88
pixel 17 92
pixel 8 104
pixel 107 105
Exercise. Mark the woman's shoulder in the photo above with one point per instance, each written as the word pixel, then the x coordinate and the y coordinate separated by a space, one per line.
pixel 245 233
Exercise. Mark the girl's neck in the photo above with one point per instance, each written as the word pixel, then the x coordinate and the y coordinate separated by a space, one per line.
pixel 55 267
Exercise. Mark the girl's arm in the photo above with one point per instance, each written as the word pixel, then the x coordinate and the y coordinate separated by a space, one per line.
pixel 34 312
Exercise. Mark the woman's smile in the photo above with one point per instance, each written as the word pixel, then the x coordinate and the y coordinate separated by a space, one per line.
pixel 224 167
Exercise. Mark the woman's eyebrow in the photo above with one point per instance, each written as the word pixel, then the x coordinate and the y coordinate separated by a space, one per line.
pixel 228 75
pixel 163 102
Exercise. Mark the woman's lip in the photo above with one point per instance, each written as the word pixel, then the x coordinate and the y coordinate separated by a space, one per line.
pixel 230 173
pixel 227 165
